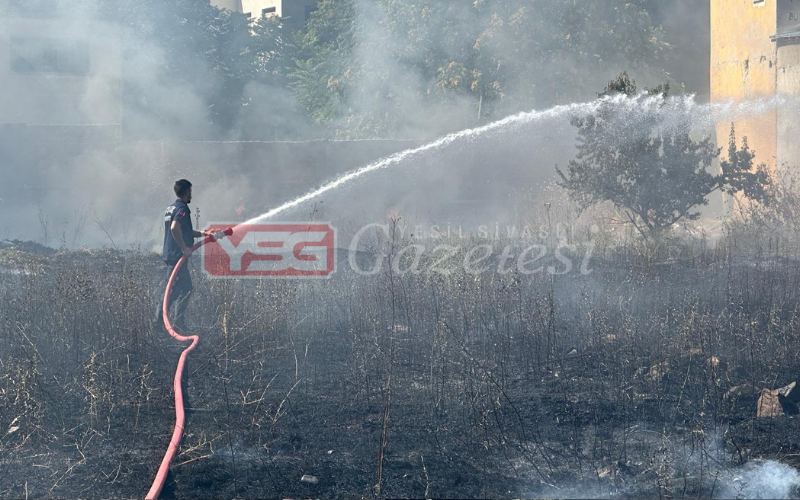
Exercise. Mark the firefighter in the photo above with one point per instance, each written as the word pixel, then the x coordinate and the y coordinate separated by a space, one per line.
pixel 179 238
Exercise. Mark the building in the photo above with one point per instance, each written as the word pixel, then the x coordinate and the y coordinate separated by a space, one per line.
pixel 755 53
pixel 294 12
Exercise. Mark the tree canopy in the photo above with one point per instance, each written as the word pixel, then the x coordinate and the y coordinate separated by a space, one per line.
pixel 381 68
pixel 658 176
pixel 491 56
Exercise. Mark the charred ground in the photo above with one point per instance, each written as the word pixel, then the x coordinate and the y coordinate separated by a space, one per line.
pixel 639 379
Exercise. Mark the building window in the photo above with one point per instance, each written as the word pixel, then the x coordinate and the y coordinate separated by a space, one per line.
pixel 41 55
pixel 758 3
pixel 248 15
pixel 269 10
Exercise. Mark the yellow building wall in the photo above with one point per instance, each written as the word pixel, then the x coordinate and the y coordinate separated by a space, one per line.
pixel 743 66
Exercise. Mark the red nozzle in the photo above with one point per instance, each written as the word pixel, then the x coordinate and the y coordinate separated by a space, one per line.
pixel 228 231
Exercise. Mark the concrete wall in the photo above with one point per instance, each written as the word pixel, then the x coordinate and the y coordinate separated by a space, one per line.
pixel 788 16
pixel 788 81
pixel 743 65
pixel 48 90
pixel 255 7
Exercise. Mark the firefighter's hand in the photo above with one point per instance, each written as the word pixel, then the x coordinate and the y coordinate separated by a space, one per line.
pixel 187 252
pixel 216 235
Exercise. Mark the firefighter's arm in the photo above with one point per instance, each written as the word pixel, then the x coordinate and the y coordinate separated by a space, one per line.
pixel 177 233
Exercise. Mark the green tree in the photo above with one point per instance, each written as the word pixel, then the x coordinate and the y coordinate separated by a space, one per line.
pixel 496 56
pixel 324 67
pixel 212 53
pixel 657 177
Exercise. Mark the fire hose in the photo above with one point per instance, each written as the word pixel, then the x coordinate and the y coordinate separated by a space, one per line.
pixel 177 432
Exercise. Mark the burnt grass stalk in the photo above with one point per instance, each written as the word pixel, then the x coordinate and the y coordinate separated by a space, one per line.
pixel 401 384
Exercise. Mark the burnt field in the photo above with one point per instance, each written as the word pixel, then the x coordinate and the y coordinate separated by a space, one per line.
pixel 637 380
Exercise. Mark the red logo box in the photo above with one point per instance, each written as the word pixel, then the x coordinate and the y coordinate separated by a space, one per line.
pixel 279 250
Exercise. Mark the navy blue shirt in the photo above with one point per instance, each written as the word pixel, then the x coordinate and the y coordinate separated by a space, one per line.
pixel 177 212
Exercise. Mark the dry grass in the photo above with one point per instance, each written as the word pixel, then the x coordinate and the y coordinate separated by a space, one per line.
pixel 398 384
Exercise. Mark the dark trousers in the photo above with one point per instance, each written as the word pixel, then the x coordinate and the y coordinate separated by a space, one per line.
pixel 179 298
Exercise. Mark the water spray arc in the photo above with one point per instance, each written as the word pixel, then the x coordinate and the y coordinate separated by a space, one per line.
pixel 674 112
pixel 518 119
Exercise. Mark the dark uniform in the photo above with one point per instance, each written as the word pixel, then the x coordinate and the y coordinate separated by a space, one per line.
pixel 181 290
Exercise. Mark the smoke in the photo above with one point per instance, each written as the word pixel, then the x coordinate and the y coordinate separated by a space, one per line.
pixel 420 70
pixel 92 139
pixel 433 68
pixel 758 479
pixel 90 159
pixel 678 466
pixel 762 479
pixel 686 30
pixel 392 97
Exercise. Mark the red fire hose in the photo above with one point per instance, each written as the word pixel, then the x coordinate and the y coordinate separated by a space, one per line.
pixel 177 433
